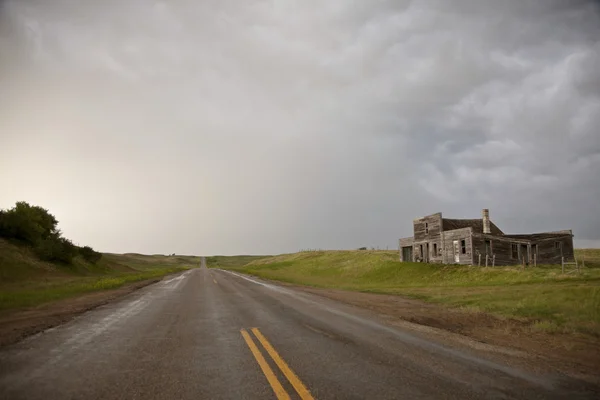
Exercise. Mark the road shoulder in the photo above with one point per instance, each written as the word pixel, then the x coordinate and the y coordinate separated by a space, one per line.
pixel 574 355
pixel 16 325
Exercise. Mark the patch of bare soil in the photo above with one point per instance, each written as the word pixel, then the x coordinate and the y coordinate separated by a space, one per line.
pixel 18 324
pixel 570 354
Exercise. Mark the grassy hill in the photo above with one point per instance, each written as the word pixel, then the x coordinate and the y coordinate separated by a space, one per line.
pixel 26 281
pixel 231 261
pixel 552 301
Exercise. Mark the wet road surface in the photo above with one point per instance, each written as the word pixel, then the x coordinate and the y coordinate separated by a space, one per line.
pixel 211 334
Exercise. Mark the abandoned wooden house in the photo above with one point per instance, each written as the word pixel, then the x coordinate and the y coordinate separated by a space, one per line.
pixel 481 242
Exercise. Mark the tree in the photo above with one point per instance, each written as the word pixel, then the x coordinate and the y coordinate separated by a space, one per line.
pixel 26 223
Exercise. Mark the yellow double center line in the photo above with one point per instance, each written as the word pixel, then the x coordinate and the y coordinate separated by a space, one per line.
pixel 266 369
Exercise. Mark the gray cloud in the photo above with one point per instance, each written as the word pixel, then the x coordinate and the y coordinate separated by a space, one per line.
pixel 232 126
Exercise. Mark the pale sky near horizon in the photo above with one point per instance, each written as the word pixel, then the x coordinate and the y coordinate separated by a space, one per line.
pixel 262 127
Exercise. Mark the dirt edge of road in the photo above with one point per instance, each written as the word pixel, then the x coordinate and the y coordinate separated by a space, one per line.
pixel 16 325
pixel 570 354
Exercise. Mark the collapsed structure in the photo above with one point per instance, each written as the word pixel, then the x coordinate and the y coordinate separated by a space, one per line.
pixel 478 241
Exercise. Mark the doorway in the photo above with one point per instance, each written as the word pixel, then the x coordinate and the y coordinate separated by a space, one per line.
pixel 407 254
pixel 524 254
pixel 456 252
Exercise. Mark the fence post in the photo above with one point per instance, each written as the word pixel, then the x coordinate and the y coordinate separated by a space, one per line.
pixel 535 260
pixel 479 262
pixel 493 260
pixel 486 259
pixel 562 262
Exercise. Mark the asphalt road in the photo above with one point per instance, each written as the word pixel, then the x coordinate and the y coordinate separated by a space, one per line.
pixel 192 337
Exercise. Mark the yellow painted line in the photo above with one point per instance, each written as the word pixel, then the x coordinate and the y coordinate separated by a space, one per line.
pixel 287 371
pixel 273 381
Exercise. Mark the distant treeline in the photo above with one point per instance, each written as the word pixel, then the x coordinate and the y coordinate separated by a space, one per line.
pixel 36 227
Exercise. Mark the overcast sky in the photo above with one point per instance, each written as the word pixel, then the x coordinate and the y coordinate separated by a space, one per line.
pixel 240 126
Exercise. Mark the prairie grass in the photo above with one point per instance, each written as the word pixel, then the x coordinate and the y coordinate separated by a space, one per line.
pixel 550 300
pixel 35 292
pixel 25 281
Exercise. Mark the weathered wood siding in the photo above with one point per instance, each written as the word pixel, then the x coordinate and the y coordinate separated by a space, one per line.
pixel 448 246
pixel 547 251
pixel 501 248
pixel 549 254
pixel 434 238
pixel 427 228
pixel 405 242
pixel 428 232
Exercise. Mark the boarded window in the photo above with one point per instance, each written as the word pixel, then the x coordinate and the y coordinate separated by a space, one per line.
pixel 488 247
pixel 435 252
pixel 514 251
pixel 558 247
pixel 463 246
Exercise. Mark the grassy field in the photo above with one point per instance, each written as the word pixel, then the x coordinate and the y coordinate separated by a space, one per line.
pixel 25 281
pixel 543 295
pixel 232 261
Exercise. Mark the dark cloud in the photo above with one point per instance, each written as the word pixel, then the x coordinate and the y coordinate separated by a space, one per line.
pixel 226 127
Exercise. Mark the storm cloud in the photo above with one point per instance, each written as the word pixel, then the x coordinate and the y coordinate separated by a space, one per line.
pixel 271 126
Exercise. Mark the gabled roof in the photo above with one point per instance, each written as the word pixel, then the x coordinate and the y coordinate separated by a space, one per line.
pixel 477 225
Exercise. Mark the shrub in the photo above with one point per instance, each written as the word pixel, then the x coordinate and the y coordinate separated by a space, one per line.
pixel 90 254
pixel 26 223
pixel 36 227
pixel 56 248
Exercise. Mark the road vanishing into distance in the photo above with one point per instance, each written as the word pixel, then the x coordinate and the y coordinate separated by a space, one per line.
pixel 212 334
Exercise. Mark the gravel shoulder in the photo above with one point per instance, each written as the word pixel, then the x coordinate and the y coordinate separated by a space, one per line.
pixel 570 354
pixel 16 325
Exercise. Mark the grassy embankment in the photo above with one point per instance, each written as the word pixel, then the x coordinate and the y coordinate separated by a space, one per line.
pixel 25 281
pixel 550 300
pixel 232 262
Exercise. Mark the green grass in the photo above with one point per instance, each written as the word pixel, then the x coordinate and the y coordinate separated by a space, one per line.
pixel 591 257
pixel 36 293
pixel 25 281
pixel 144 262
pixel 231 261
pixel 552 301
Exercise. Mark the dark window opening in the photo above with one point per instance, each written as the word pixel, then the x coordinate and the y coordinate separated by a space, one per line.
pixel 558 247
pixel 514 251
pixel 488 247
pixel 426 228
pixel 435 251
pixel 463 246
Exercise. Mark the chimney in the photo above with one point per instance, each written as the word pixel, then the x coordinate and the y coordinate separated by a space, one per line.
pixel 486 221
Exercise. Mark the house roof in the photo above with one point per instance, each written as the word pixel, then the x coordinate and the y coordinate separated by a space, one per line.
pixel 477 225
pixel 540 236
